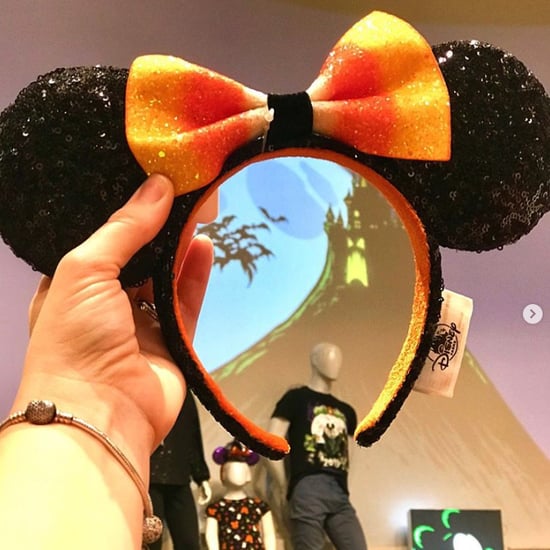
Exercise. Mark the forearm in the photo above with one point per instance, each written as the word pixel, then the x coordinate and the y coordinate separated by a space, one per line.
pixel 211 534
pixel 76 493
pixel 66 479
pixel 278 426
pixel 268 532
pixel 104 407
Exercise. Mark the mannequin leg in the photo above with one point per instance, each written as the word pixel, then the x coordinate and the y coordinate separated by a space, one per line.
pixel 181 516
pixel 156 492
pixel 343 528
pixel 307 514
pixel 319 507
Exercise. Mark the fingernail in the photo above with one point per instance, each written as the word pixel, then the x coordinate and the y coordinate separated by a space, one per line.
pixel 152 189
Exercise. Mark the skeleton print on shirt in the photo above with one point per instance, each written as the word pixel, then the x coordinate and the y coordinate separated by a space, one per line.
pixel 327 444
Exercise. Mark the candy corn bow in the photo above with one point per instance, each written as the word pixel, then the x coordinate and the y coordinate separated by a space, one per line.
pixel 380 91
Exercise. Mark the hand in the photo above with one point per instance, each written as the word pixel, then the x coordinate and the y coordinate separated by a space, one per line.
pixel 205 493
pixel 92 351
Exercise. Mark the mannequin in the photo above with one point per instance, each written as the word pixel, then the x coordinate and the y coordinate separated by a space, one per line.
pixel 318 427
pixel 238 521
pixel 178 460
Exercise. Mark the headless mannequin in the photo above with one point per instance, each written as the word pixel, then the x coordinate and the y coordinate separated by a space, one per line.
pixel 326 362
pixel 313 499
pixel 235 476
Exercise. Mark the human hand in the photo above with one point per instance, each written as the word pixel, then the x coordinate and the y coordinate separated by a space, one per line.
pixel 92 351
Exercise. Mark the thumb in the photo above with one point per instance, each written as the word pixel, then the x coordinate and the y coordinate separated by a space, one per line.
pixel 132 226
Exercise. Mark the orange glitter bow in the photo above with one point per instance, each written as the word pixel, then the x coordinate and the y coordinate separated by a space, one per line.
pixel 380 91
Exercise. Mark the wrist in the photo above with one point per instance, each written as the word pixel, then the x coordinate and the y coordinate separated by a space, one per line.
pixel 58 463
pixel 100 405
pixel 44 413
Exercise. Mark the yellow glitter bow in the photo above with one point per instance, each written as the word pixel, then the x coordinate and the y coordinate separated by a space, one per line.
pixel 380 91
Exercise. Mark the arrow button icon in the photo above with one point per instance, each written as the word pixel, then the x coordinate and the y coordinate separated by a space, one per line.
pixel 532 314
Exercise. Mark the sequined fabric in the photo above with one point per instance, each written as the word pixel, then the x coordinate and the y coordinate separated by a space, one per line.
pixel 496 186
pixel 65 166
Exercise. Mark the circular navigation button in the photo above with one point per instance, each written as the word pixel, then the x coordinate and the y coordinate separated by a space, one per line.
pixel 532 314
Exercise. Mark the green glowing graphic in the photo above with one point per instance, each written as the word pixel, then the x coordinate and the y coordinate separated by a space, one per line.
pixel 356 269
pixel 445 516
pixel 418 532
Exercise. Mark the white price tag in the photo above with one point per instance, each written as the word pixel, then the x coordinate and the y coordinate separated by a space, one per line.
pixel 440 372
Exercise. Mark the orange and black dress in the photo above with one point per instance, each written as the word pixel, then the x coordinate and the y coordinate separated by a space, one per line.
pixel 238 522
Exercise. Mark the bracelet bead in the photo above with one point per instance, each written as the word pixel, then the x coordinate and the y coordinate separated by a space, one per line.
pixel 40 412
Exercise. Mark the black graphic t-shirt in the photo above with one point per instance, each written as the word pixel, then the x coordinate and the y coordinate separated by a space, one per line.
pixel 318 434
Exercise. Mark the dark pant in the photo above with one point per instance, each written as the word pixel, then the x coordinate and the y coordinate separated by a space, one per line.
pixel 175 505
pixel 319 506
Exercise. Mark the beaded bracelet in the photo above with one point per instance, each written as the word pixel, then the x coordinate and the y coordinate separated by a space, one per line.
pixel 41 412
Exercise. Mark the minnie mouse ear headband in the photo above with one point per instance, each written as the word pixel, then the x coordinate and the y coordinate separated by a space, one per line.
pixel 456 137
pixel 235 451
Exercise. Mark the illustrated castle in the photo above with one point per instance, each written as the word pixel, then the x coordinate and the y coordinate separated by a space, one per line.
pixel 359 248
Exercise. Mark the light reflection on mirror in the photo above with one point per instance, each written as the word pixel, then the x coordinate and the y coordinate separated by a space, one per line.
pixel 305 251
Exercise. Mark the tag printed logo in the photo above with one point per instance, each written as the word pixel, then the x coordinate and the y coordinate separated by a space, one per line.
pixel 445 345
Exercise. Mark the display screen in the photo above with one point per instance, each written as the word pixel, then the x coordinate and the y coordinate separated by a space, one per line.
pixel 455 529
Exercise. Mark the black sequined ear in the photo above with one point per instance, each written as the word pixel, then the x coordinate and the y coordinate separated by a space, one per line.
pixel 65 166
pixel 496 186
